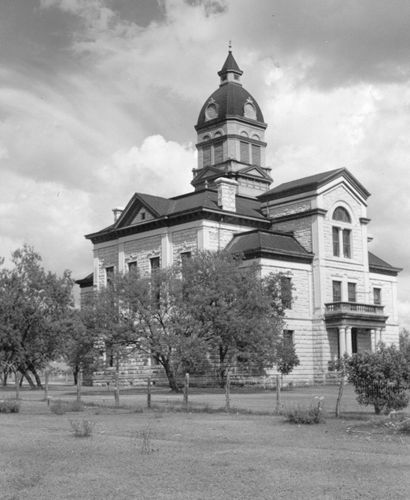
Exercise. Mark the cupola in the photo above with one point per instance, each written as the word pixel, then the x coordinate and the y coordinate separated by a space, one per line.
pixel 231 136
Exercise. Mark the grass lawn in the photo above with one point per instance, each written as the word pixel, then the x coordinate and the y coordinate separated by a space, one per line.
pixel 197 456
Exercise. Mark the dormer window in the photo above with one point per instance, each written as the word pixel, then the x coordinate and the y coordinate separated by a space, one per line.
pixel 249 110
pixel 341 233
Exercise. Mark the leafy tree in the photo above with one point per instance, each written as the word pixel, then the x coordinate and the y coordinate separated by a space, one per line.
pixel 404 344
pixel 162 325
pixel 381 378
pixel 286 357
pixel 33 305
pixel 238 313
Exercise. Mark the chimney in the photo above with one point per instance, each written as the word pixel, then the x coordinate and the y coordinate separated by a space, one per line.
pixel 226 193
pixel 117 213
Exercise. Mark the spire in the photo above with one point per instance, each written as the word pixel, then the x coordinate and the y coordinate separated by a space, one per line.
pixel 230 70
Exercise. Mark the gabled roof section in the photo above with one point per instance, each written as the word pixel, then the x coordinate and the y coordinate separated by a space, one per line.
pixel 155 205
pixel 269 244
pixel 380 266
pixel 312 183
pixel 167 211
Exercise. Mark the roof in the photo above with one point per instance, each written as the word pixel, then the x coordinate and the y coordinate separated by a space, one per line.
pixel 380 266
pixel 230 100
pixel 230 65
pixel 270 244
pixel 87 281
pixel 164 209
pixel 311 183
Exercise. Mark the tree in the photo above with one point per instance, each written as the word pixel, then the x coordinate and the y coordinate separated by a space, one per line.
pixel 162 325
pixel 240 315
pixel 380 378
pixel 286 357
pixel 404 344
pixel 33 305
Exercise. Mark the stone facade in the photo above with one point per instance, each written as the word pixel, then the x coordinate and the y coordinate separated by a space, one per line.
pixel 312 229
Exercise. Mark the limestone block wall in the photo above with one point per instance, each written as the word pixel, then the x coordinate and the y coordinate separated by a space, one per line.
pixel 142 250
pixel 185 240
pixel 301 228
pixel 107 256
pixel 346 274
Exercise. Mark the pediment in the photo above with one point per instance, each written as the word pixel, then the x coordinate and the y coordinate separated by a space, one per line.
pixel 255 171
pixel 136 212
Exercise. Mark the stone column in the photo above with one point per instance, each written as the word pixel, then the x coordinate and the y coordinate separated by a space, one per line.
pixel 342 341
pixel 349 340
pixel 373 340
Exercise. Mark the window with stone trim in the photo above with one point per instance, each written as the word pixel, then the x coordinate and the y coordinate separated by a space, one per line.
pixel 256 155
pixel 154 263
pixel 132 266
pixel 337 291
pixel 341 235
pixel 244 150
pixel 109 276
pixel 206 155
pixel 286 291
pixel 351 292
pixel 377 296
pixel 218 153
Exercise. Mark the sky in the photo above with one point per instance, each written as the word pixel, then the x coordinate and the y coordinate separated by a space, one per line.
pixel 99 98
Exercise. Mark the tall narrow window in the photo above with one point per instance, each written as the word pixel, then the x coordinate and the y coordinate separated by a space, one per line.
pixel 346 243
pixel 337 291
pixel 154 261
pixel 206 152
pixel 109 275
pixel 244 152
pixel 351 292
pixel 336 242
pixel 256 155
pixel 286 292
pixel 377 296
pixel 218 153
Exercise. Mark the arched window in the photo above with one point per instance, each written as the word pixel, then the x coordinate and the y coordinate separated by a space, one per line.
pixel 341 235
pixel 342 215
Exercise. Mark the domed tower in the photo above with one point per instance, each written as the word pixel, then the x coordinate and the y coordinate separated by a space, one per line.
pixel 231 136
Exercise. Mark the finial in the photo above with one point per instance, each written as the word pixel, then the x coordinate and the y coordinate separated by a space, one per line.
pixel 230 46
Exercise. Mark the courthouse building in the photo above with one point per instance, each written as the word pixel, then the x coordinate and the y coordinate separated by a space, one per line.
pixel 313 229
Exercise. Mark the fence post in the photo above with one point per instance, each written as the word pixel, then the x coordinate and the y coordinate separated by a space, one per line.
pixel 186 391
pixel 46 386
pixel 278 394
pixel 117 383
pixel 79 383
pixel 17 383
pixel 149 392
pixel 228 391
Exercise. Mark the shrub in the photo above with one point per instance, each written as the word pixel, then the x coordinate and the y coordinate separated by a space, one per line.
pixel 380 378
pixel 9 406
pixel 60 407
pixel 82 428
pixel 311 415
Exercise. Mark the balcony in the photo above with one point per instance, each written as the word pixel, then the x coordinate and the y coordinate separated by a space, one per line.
pixel 354 314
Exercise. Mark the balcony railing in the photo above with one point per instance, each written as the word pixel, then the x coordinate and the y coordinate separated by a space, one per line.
pixel 354 307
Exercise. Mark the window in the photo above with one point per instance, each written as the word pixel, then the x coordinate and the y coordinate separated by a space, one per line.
pixel 341 214
pixel 341 236
pixel 337 291
pixel 288 337
pixel 286 292
pixel 351 292
pixel 109 275
pixel 143 215
pixel 206 155
pixel 256 154
pixel 218 153
pixel 154 263
pixel 244 152
pixel 132 266
pixel 336 242
pixel 346 243
pixel 185 256
pixel 377 296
